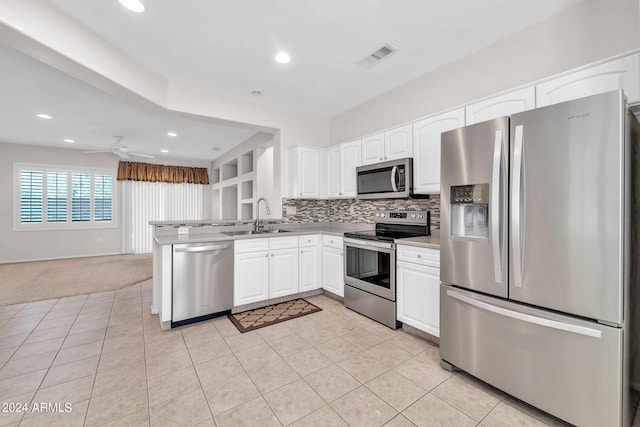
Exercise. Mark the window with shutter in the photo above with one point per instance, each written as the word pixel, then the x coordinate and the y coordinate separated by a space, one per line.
pixel 54 197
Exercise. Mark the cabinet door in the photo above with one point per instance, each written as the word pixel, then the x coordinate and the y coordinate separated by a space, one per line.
pixel 350 158
pixel 283 272
pixel 398 142
pixel 426 145
pixel 373 149
pixel 502 105
pixel 310 273
pixel 309 172
pixel 251 278
pixel 333 271
pixel 623 73
pixel 333 171
pixel 419 297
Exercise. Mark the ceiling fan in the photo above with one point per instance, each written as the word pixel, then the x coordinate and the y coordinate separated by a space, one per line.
pixel 119 149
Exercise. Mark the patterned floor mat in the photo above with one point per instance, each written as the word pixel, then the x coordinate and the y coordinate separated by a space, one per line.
pixel 269 315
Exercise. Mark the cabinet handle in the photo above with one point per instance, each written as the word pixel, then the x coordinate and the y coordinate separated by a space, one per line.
pixel 300 194
pixel 419 256
pixel 266 255
pixel 301 251
pixel 271 254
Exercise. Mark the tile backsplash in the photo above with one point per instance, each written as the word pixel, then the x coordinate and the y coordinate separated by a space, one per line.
pixel 355 210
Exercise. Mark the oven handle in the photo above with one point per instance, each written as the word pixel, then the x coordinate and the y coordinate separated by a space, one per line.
pixel 367 244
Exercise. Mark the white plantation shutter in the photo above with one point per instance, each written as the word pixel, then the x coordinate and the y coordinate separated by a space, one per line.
pixel 157 201
pixel 57 186
pixel 103 197
pixel 80 197
pixel 31 196
pixel 54 197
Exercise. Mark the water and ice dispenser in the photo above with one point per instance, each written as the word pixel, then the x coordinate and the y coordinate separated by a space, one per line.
pixel 470 212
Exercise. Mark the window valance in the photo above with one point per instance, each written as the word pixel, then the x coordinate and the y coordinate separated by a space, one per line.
pixel 137 171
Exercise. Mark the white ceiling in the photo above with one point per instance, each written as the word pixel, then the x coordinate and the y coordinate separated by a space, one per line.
pixel 228 46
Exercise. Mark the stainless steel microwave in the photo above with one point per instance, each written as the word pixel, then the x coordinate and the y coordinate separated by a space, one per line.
pixel 386 180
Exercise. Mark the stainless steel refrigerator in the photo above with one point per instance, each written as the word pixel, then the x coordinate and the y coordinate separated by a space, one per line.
pixel 537 255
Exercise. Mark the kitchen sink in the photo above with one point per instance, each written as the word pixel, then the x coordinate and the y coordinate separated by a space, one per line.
pixel 246 232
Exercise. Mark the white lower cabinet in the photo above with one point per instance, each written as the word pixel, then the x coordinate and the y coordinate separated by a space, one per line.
pixel 310 263
pixel 265 269
pixel 251 277
pixel 333 265
pixel 418 288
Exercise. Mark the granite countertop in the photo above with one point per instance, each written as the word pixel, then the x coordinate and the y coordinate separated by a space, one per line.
pixel 432 242
pixel 292 230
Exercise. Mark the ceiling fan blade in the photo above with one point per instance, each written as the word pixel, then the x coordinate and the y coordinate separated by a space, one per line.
pixel 148 156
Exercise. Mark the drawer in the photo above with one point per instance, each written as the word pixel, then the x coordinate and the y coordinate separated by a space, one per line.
pixel 309 241
pixel 332 242
pixel 283 242
pixel 417 255
pixel 251 245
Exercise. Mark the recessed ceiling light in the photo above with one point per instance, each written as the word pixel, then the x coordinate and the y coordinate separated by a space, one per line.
pixel 256 92
pixel 172 134
pixel 44 116
pixel 283 58
pixel 70 141
pixel 133 5
pixel 164 150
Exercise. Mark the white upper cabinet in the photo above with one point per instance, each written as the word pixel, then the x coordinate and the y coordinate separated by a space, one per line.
pixel 373 148
pixel 342 161
pixel 350 157
pixel 398 142
pixel 426 147
pixel 392 144
pixel 621 73
pixel 333 171
pixel 501 105
pixel 305 169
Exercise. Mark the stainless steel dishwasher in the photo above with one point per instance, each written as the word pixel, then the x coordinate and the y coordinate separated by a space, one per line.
pixel 202 281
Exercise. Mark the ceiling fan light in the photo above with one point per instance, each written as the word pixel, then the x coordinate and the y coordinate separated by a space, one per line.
pixel 132 5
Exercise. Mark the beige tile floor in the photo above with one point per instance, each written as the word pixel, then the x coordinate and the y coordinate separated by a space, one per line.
pixel 105 356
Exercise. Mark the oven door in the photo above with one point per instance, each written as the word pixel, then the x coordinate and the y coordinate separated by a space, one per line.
pixel 371 267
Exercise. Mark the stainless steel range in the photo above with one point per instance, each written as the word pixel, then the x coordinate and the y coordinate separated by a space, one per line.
pixel 370 263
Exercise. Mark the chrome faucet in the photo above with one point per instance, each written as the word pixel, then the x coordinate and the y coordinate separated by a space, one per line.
pixel 266 205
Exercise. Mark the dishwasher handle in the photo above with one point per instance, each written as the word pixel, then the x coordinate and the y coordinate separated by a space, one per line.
pixel 200 249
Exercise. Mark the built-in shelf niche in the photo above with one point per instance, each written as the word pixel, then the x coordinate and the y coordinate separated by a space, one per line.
pixel 230 170
pixel 246 210
pixel 229 202
pixel 246 190
pixel 246 163
pixel 215 176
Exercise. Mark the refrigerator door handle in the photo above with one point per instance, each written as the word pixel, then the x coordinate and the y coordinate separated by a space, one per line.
pixel 516 215
pixel 496 215
pixel 554 324
pixel 394 174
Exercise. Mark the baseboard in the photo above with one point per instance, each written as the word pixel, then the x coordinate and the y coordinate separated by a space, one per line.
pixel 62 257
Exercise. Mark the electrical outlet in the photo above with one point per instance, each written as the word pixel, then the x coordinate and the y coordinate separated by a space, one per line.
pixel 291 210
pixel 352 209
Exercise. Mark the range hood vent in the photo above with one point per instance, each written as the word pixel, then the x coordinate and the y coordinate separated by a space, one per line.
pixel 383 53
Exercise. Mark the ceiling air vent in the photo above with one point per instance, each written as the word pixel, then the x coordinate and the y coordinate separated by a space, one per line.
pixel 383 53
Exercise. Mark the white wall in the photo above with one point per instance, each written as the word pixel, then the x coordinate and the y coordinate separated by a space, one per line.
pixel 32 245
pixel 591 31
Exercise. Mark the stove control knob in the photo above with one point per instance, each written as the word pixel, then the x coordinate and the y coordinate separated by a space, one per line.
pixel 378 214
pixel 420 216
pixel 382 215
pixel 413 215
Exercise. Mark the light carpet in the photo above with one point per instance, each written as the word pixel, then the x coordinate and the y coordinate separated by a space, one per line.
pixel 40 280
